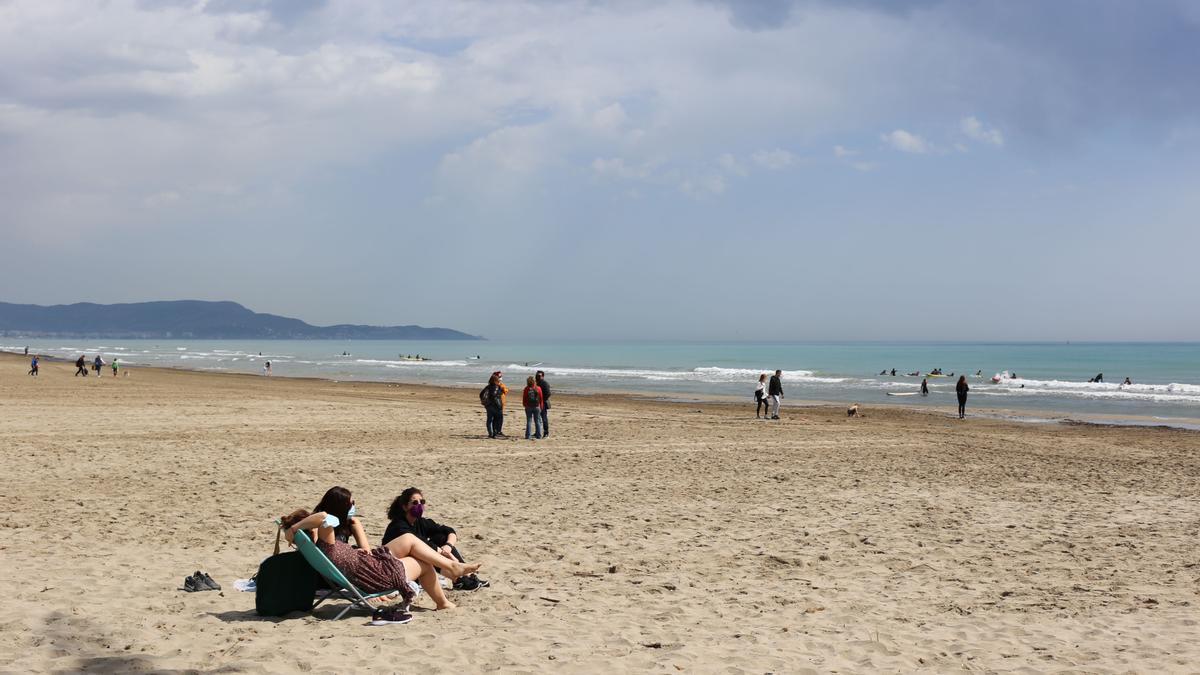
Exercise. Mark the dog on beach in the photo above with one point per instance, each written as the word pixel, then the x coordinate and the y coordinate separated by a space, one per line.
pixel 852 411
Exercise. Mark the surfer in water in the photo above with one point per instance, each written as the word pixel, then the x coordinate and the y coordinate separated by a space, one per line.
pixel 925 387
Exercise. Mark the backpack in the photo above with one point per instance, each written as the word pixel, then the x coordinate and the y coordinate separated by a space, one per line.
pixel 531 397
pixel 285 583
pixel 487 397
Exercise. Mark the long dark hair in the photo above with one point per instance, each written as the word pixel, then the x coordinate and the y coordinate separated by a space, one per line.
pixel 399 505
pixel 336 502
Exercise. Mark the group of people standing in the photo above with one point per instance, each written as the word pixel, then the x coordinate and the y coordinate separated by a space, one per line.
pixel 535 398
pixel 81 366
pixel 767 396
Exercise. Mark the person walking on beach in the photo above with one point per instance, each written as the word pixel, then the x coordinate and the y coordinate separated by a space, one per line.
pixel 545 387
pixel 33 365
pixel 489 397
pixel 961 389
pixel 97 364
pixel 267 369
pixel 80 369
pixel 116 365
pixel 925 387
pixel 760 398
pixel 531 397
pixel 775 391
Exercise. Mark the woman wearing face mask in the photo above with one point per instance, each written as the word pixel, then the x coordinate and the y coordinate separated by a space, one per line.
pixel 385 568
pixel 351 527
pixel 407 514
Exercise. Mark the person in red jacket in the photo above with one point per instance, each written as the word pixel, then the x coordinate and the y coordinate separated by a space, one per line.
pixel 532 399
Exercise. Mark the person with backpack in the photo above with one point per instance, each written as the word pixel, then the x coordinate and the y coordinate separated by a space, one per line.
pixel 545 387
pixel 760 397
pixel 97 364
pixel 531 397
pixel 80 368
pixel 489 398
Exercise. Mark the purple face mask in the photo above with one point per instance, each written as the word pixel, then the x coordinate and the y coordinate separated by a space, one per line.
pixel 416 510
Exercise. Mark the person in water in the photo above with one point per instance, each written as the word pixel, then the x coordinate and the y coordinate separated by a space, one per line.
pixel 961 389
pixel 925 387
pixel 1127 381
pixel 383 569
pixel 407 516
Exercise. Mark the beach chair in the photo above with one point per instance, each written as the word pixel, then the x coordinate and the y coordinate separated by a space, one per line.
pixel 339 585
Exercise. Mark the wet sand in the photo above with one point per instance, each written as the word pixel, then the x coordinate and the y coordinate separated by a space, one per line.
pixel 642 535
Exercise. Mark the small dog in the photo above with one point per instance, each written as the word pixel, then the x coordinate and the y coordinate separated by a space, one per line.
pixel 852 411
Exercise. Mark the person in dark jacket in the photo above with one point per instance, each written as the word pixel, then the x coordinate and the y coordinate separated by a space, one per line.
pixel 775 392
pixel 961 389
pixel 491 396
pixel 545 387
pixel 407 516
pixel 925 387
pixel 80 368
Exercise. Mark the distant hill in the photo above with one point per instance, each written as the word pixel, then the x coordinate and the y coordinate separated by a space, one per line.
pixel 192 319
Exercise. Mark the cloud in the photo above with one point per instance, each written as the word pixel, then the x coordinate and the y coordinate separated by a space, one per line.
pixel 978 131
pixel 905 141
pixel 774 160
pixel 732 165
pixel 841 152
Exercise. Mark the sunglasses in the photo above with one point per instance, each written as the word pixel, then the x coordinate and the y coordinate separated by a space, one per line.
pixel 417 501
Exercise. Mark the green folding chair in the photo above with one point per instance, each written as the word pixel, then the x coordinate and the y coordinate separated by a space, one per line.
pixel 339 585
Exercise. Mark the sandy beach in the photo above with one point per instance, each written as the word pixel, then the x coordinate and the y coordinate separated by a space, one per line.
pixel 642 536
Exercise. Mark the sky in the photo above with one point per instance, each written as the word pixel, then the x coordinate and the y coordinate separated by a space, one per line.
pixel 694 169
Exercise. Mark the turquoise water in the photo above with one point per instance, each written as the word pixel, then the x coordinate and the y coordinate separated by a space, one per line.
pixel 1051 378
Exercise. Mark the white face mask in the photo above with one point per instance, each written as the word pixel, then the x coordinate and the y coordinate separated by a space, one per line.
pixel 352 512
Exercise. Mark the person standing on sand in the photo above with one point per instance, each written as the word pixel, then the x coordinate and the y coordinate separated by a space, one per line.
pixel 80 369
pixel 97 364
pixel 760 397
pixel 531 397
pixel 116 364
pixel 775 391
pixel 33 365
pixel 961 389
pixel 545 387
pixel 489 397
pixel 503 402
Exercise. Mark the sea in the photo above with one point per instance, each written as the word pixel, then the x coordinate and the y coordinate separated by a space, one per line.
pixel 1028 381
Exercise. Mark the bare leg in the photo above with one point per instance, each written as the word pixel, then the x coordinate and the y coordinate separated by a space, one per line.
pixel 408 545
pixel 427 577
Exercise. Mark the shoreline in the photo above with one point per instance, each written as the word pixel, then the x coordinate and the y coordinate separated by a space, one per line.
pixel 1015 415
pixel 642 535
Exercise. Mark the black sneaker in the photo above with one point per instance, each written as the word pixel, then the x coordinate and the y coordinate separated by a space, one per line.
pixel 189 585
pixel 209 582
pixel 390 616
pixel 466 584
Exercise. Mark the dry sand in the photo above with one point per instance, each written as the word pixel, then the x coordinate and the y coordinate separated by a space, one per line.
pixel 641 536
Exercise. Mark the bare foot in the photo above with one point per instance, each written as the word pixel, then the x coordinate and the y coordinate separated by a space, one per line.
pixel 460 570
pixel 446 605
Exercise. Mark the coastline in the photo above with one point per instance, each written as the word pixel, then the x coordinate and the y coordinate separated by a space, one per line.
pixel 642 535
pixel 1019 415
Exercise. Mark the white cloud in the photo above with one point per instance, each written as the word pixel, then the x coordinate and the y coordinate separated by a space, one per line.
pixel 731 165
pixel 774 159
pixel 617 168
pixel 841 152
pixel 978 131
pixel 703 186
pixel 905 141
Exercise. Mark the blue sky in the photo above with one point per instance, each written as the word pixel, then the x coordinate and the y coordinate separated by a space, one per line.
pixel 693 169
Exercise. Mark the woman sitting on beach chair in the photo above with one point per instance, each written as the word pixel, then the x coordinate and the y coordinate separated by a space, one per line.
pixel 384 568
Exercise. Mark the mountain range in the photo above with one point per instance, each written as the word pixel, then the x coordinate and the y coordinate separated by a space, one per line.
pixel 192 319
